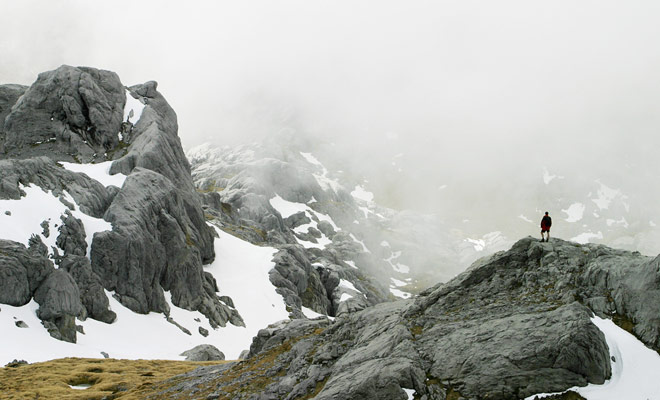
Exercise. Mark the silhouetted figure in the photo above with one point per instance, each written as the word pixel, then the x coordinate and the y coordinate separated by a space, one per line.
pixel 546 223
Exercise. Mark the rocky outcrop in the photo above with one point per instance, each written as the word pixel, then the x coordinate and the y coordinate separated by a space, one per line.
pixel 69 114
pixel 159 238
pixel 203 352
pixel 515 324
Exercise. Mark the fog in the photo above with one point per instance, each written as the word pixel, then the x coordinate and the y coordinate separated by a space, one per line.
pixel 472 98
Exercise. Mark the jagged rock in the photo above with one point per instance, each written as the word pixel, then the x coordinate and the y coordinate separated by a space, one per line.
pixel 69 114
pixel 22 271
pixel 158 237
pixel 16 363
pixel 59 304
pixel 14 286
pixel 203 332
pixel 92 295
pixel 21 324
pixel 515 324
pixel 105 355
pixel 71 236
pixel 203 352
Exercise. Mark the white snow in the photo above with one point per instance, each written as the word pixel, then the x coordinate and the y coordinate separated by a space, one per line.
pixel 634 369
pixel 323 180
pixel 605 196
pixel 478 244
pixel 99 172
pixel 347 284
pixel 135 105
pixel 385 243
pixel 409 392
pixel 547 178
pixel 399 293
pixel 241 272
pixel 651 223
pixel 37 206
pixel 287 208
pixel 362 194
pixel 575 212
pixel 82 386
pixel 311 314
pixel 585 237
pixel 525 218
pixel 351 264
pixel 344 297
pixel 397 282
pixel 401 268
pixel 621 222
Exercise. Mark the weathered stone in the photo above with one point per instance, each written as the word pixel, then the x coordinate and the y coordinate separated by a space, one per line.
pixel 59 304
pixel 203 352
pixel 69 114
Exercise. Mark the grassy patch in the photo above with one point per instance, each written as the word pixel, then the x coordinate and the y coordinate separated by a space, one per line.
pixel 109 378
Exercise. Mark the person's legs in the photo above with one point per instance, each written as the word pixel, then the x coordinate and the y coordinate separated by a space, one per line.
pixel 548 235
pixel 542 237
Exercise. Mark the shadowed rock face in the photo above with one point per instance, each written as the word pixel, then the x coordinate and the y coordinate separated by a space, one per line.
pixel 514 324
pixel 159 238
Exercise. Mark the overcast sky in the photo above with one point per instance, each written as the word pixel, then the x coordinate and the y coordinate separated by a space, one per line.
pixel 483 88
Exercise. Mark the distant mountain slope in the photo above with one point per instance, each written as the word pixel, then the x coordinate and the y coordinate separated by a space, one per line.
pixel 348 252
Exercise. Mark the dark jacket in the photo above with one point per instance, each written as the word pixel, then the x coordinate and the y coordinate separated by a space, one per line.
pixel 546 222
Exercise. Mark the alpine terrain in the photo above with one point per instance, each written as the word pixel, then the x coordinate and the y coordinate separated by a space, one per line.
pixel 115 243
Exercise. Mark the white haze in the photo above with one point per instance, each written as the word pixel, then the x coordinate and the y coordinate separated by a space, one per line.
pixel 475 97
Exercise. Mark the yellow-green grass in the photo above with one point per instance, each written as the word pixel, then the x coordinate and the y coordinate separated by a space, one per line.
pixel 109 378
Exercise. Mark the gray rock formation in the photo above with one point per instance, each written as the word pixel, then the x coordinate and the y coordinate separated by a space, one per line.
pixel 203 352
pixel 69 114
pixel 514 324
pixel 159 238
pixel 22 271
pixel 59 305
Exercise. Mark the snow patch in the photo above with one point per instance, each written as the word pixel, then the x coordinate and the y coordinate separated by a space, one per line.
pixel 400 294
pixel 286 208
pixel 605 196
pixel 547 178
pixel 410 393
pixel 575 212
pixel 351 264
pixel 479 244
pixel 362 194
pixel 99 172
pixel 525 218
pixel 132 105
pixel 37 206
pixel 585 237
pixel 347 285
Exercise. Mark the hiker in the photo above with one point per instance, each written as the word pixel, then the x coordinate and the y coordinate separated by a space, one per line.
pixel 546 223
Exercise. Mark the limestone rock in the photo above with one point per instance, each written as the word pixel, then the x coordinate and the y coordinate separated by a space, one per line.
pixel 203 352
pixel 69 114
pixel 59 305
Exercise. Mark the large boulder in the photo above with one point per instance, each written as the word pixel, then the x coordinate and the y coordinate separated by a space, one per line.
pixel 59 305
pixel 203 352
pixel 70 114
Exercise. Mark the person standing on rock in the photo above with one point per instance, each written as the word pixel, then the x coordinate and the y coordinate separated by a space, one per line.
pixel 546 223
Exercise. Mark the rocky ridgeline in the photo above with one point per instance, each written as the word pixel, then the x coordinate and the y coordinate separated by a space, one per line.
pixel 330 237
pixel 159 238
pixel 514 324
